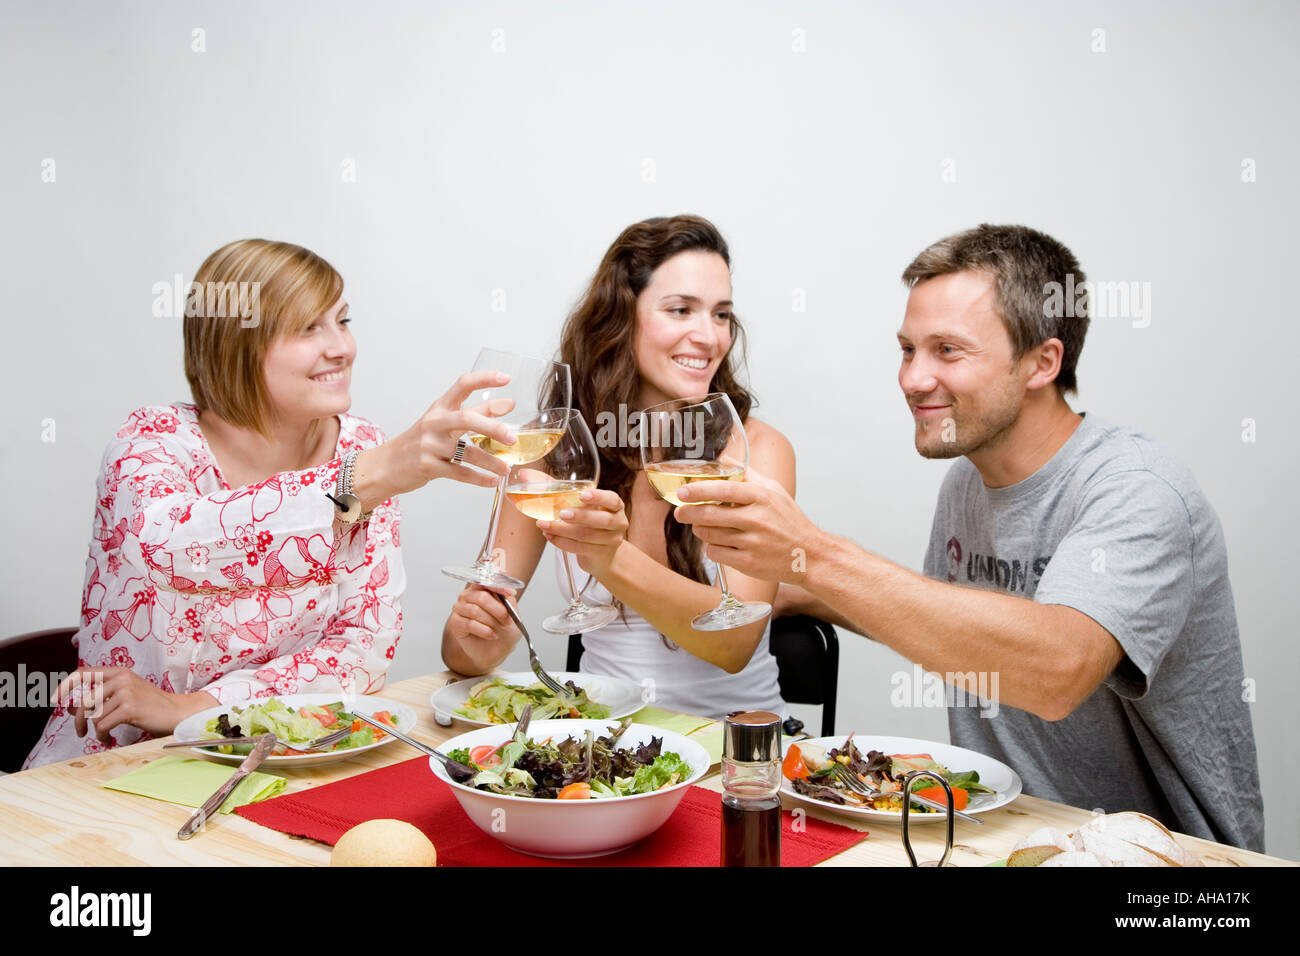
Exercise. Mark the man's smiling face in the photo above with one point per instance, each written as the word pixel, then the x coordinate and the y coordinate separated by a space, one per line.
pixel 959 374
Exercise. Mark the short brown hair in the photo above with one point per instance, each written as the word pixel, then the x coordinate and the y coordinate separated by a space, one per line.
pixel 223 352
pixel 1025 265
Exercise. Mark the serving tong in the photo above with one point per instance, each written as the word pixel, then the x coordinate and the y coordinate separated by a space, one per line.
pixel 455 769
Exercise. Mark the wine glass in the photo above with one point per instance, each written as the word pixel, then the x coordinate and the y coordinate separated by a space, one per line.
pixel 534 384
pixel 543 488
pixel 699 439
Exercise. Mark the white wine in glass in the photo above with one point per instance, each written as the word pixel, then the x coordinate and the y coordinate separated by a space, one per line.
pixel 668 477
pixel 543 488
pixel 530 444
pixel 691 440
pixel 535 385
pixel 542 499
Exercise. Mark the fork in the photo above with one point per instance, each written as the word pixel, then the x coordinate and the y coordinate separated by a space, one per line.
pixel 551 684
pixel 850 779
pixel 327 741
pixel 322 743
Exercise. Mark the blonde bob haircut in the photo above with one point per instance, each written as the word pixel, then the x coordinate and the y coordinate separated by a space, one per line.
pixel 244 297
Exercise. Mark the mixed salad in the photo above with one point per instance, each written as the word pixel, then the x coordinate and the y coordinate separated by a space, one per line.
pixel 811 771
pixel 494 701
pixel 586 768
pixel 290 726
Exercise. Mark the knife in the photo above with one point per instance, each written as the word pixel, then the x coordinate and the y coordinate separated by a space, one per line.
pixel 213 742
pixel 265 745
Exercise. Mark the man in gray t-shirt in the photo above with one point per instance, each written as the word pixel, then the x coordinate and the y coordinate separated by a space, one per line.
pixel 1115 528
pixel 1074 570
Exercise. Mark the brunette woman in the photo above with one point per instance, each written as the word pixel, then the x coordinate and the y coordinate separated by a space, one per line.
pixel 655 324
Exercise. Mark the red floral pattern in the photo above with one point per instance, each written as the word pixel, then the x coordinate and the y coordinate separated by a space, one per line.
pixel 244 592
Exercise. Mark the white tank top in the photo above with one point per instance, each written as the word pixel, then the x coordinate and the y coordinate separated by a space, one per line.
pixel 630 648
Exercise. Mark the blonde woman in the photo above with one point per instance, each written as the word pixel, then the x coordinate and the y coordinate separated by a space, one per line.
pixel 248 544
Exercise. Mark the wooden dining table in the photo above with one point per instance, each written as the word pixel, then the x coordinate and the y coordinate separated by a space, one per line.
pixel 61 814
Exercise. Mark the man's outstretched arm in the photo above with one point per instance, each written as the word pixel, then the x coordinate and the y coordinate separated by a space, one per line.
pixel 1049 658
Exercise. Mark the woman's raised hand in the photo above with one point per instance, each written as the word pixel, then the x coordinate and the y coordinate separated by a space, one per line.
pixel 593 532
pixel 480 629
pixel 424 451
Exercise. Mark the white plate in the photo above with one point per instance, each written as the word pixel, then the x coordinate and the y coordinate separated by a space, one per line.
pixel 622 697
pixel 191 728
pixel 573 829
pixel 993 773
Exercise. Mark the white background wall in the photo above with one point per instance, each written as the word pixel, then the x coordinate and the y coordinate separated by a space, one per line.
pixel 513 168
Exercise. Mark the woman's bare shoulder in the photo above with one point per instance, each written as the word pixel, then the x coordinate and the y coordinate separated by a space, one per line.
pixel 761 433
pixel 771 453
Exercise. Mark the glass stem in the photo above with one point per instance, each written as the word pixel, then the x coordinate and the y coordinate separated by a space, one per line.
pixel 727 599
pixel 575 602
pixel 485 556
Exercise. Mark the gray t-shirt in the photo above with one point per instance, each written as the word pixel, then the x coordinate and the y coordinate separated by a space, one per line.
pixel 1114 527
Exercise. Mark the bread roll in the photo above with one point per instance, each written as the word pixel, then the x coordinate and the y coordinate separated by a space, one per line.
pixel 1116 839
pixel 1043 843
pixel 384 843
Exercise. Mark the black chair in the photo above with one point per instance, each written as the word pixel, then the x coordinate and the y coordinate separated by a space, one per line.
pixel 807 652
pixel 44 653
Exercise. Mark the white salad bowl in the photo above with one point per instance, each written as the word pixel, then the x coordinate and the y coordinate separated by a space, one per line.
pixel 567 829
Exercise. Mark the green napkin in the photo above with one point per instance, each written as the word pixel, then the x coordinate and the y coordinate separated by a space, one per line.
pixel 669 720
pixel 710 739
pixel 190 781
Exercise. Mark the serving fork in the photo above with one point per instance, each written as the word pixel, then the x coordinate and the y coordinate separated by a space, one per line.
pixel 455 769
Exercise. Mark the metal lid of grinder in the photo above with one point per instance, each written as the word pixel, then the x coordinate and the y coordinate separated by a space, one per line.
pixel 752 736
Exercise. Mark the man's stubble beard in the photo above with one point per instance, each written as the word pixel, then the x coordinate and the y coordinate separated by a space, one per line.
pixel 986 431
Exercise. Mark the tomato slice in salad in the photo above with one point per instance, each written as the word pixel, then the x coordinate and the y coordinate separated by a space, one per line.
pixel 575 791
pixel 485 756
pixel 322 715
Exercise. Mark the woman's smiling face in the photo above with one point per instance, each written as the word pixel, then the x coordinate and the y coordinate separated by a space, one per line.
pixel 308 373
pixel 683 326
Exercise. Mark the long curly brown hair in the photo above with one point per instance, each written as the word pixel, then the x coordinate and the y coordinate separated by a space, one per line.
pixel 598 346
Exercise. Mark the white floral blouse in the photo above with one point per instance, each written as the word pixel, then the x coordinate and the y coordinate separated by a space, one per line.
pixel 243 593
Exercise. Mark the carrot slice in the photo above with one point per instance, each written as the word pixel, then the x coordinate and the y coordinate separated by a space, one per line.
pixel 793 767
pixel 960 797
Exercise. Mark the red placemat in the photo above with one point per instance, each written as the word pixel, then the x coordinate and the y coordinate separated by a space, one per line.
pixel 409 791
